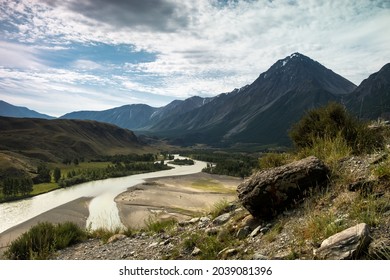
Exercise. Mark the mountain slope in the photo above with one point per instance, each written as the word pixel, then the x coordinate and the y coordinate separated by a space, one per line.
pixel 139 116
pixel 372 97
pixel 238 115
pixel 53 140
pixel 128 116
pixel 9 110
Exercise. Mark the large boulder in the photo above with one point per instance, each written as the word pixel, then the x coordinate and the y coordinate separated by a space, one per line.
pixel 345 245
pixel 268 192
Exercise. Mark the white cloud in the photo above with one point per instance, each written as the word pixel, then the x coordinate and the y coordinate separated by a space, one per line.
pixel 202 47
pixel 83 64
pixel 18 56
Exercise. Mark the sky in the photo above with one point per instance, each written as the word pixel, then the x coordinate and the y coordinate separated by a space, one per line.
pixel 59 56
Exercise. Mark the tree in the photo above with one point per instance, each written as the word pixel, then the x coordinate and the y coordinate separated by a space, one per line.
pixel 25 186
pixel 57 174
pixel 43 174
pixel 7 187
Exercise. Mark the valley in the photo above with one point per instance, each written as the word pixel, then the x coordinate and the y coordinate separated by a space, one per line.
pixel 98 161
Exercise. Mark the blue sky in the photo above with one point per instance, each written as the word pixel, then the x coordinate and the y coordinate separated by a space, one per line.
pixel 59 56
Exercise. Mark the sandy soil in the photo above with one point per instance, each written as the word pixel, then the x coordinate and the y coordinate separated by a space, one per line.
pixel 179 197
pixel 75 211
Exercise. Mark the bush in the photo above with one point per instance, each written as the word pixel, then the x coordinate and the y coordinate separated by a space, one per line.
pixel 42 240
pixel 330 122
pixel 219 208
pixel 271 160
pixel 329 150
pixel 159 226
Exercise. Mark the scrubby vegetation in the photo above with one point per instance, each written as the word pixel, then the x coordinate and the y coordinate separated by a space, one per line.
pixel 119 169
pixel 75 171
pixel 224 163
pixel 185 161
pixel 43 239
pixel 333 122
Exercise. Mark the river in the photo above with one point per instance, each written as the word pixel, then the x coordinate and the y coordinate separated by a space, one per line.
pixel 102 208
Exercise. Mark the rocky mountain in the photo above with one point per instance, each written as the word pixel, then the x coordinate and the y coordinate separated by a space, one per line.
pixel 133 116
pixel 139 116
pixel 9 110
pixel 371 99
pixel 260 113
pixel 263 111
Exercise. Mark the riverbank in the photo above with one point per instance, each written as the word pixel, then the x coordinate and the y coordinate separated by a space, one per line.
pixel 178 197
pixel 75 211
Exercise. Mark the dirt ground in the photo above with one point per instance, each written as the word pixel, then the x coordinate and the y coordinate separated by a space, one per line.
pixel 178 197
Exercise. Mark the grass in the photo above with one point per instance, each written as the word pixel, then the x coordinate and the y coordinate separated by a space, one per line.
pixel 154 225
pixel 219 208
pixel 43 188
pixel 43 239
pixel 37 189
pixel 82 165
pixel 321 225
pixel 210 185
pixel 272 234
pixel 104 234
pixel 369 209
pixel 271 160
pixel 209 246
pixel 329 150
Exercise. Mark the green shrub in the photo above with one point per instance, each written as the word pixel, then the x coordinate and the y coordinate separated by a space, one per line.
pixel 209 246
pixel 319 226
pixel 369 209
pixel 103 233
pixel 42 240
pixel 330 150
pixel 67 234
pixel 331 121
pixel 219 208
pixel 158 226
pixel 271 160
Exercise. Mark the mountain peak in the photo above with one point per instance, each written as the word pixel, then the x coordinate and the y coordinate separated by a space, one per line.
pixel 293 58
pixel 299 71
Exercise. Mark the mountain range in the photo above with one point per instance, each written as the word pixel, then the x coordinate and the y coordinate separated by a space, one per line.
pixel 260 113
pixel 9 110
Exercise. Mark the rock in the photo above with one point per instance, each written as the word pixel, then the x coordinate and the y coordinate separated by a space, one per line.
pixel 282 255
pixel 379 158
pixel 258 256
pixel 243 232
pixel 116 237
pixel 193 221
pixel 226 253
pixel 255 232
pixel 250 221
pixel 379 249
pixel 264 230
pixel 212 231
pixel 196 251
pixel 204 221
pixel 347 244
pixel 154 244
pixel 220 220
pixel 269 192
pixel 363 186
